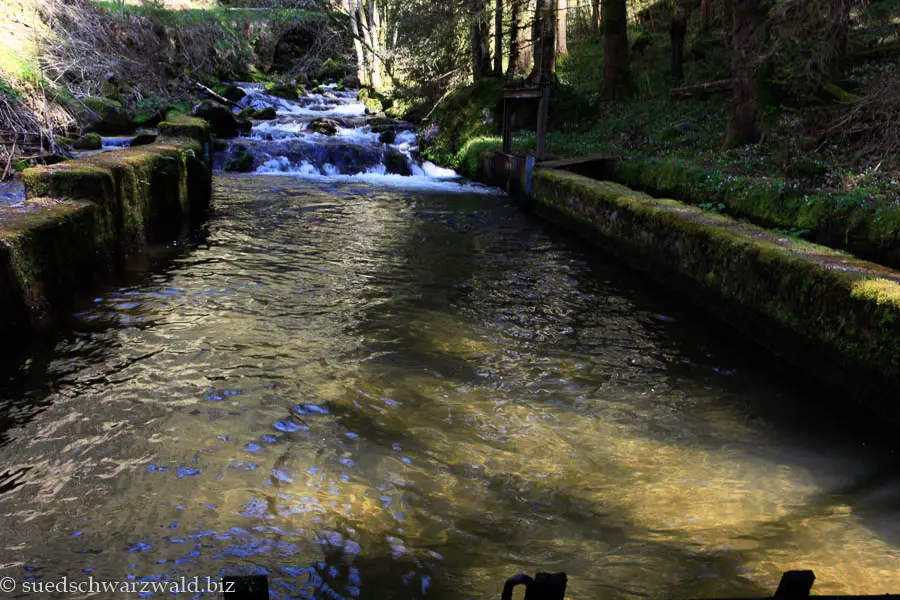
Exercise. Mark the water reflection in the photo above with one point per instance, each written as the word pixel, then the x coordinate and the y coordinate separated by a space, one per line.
pixel 385 394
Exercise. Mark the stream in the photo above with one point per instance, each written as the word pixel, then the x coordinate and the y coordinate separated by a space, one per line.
pixel 369 379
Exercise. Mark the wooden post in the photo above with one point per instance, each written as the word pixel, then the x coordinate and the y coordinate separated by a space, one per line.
pixel 544 586
pixel 507 126
pixel 246 587
pixel 543 116
pixel 795 585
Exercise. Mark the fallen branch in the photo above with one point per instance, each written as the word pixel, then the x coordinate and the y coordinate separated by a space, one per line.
pixel 217 97
pixel 711 87
pixel 438 103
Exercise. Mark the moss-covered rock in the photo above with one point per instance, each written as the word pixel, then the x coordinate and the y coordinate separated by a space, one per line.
pixel 331 70
pixel 181 126
pixel 363 94
pixel 89 141
pixel 233 93
pixel 240 161
pixel 105 116
pixel 285 91
pixel 468 114
pixel 374 106
pixel 397 163
pixel 143 139
pixel 350 82
pixel 266 114
pixel 324 126
pixel 221 120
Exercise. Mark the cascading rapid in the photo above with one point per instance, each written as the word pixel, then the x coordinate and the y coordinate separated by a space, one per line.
pixel 328 136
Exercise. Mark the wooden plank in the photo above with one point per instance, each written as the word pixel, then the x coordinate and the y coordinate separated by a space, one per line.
pixel 563 163
pixel 542 124
pixel 507 127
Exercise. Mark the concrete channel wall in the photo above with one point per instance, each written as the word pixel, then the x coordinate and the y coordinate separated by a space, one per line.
pixel 824 310
pixel 85 217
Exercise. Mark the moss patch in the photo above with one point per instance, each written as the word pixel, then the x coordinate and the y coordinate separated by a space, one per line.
pixel 89 141
pixel 841 221
pixel 181 126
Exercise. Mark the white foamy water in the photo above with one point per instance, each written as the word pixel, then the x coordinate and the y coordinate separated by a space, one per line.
pixel 276 145
pixel 376 176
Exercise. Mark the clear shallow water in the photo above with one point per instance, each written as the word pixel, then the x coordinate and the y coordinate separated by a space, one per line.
pixel 391 394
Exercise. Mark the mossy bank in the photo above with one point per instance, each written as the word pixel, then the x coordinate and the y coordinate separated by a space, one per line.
pixel 84 217
pixel 822 309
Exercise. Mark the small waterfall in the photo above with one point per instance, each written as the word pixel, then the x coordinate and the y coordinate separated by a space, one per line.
pixel 328 136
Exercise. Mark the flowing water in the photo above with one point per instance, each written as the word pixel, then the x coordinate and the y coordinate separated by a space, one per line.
pixel 378 386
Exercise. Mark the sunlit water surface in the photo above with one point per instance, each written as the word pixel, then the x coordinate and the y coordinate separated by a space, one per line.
pixel 375 393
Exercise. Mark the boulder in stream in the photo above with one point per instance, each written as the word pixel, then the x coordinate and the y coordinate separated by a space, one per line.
pixel 325 126
pixel 220 119
pixel 285 91
pixel 265 114
pixel 142 139
pixel 233 93
pixel 397 163
pixel 89 141
pixel 388 136
pixel 106 117
pixel 241 160
pixel 244 126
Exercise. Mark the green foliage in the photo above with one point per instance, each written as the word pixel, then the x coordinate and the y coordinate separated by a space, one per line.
pixel 8 91
pixel 468 159
pixel 374 106
pixel 582 67
pixel 469 113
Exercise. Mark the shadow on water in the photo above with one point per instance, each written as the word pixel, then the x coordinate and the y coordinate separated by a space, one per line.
pixel 28 375
pixel 795 415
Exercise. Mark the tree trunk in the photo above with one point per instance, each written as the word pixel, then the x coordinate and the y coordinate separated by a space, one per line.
pixel 373 38
pixel 595 16
pixel 728 21
pixel 562 24
pixel 498 38
pixel 616 67
pixel 480 46
pixel 705 15
pixel 362 59
pixel 514 48
pixel 838 25
pixel 526 46
pixel 746 111
pixel 677 33
pixel 544 43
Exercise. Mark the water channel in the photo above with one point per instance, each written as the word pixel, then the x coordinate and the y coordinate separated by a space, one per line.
pixel 377 384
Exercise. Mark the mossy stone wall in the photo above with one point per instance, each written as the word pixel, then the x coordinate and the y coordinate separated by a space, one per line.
pixel 823 309
pixel 865 229
pixel 84 217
